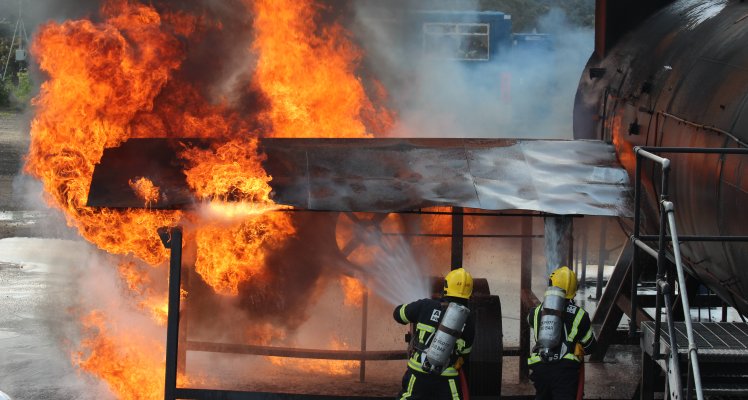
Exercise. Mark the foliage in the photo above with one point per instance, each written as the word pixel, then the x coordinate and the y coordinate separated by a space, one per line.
pixel 16 89
pixel 4 48
pixel 22 91
pixel 4 95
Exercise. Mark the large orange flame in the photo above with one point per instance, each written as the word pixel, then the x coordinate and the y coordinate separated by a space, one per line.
pixel 97 84
pixel 309 74
pixel 122 78
pixel 118 358
pixel 145 190
pixel 329 367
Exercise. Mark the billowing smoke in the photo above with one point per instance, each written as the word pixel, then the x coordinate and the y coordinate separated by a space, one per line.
pixel 520 96
pixel 526 92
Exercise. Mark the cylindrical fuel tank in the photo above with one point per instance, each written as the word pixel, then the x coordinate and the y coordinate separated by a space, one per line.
pixel 680 79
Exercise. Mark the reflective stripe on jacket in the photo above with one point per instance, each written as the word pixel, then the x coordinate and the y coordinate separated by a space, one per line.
pixel 425 314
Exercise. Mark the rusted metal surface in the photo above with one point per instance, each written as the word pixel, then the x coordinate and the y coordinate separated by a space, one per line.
pixel 390 175
pixel 154 159
pixel 678 80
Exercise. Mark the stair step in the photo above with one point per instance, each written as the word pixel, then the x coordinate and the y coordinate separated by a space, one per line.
pixel 725 389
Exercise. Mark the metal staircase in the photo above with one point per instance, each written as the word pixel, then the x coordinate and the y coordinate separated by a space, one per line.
pixel 697 359
pixel 706 358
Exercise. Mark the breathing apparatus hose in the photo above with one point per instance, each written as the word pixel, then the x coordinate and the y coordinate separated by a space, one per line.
pixel 464 384
pixel 580 385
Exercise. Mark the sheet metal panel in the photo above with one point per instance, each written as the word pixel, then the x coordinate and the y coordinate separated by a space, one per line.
pixel 390 175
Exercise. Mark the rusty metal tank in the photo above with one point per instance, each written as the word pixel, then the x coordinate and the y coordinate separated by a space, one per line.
pixel 680 79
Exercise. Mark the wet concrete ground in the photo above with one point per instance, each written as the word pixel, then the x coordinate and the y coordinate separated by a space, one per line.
pixel 17 217
pixel 36 293
pixel 35 337
pixel 35 327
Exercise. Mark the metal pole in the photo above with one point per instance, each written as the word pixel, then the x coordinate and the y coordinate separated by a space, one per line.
pixel 364 319
pixel 601 256
pixel 686 150
pixel 184 315
pixel 174 243
pixel 525 286
pixel 661 250
pixel 577 256
pixel 571 259
pixel 635 259
pixel 457 237
pixel 692 349
pixel 673 375
pixel 582 282
pixel 183 321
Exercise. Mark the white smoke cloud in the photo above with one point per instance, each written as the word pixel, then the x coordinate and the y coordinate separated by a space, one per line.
pixel 527 94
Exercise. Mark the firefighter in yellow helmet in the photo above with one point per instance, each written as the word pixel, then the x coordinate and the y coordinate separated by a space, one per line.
pixel 442 339
pixel 558 326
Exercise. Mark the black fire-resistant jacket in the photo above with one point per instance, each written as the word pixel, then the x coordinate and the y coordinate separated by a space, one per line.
pixel 426 315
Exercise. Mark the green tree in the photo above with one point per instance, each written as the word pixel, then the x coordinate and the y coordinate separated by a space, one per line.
pixel 16 89
pixel 4 48
pixel 22 91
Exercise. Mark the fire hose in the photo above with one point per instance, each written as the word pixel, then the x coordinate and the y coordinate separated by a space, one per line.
pixel 464 384
pixel 579 352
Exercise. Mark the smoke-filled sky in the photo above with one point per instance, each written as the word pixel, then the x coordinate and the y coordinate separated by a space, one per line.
pixel 37 11
pixel 526 93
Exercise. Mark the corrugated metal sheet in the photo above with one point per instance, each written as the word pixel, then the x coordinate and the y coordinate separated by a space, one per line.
pixel 390 175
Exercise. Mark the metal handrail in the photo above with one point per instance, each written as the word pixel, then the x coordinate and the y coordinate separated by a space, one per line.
pixel 664 290
pixel 692 349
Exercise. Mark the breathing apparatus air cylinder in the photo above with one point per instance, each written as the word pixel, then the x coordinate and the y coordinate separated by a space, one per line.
pixel 437 356
pixel 551 329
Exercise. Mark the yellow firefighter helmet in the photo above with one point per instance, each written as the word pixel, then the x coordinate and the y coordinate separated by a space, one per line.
pixel 458 283
pixel 566 279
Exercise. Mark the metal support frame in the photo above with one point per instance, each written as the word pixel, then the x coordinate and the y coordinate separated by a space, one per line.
pixel 582 281
pixel 455 210
pixel 458 226
pixel 601 256
pixel 571 259
pixel 364 329
pixel 609 311
pixel 172 239
pixel 177 348
pixel 528 300
pixel 665 279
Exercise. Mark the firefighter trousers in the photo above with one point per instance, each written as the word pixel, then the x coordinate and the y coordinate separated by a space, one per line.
pixel 555 381
pixel 420 386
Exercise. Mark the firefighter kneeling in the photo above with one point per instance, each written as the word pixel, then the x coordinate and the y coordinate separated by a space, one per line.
pixel 443 336
pixel 559 326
